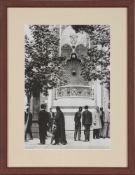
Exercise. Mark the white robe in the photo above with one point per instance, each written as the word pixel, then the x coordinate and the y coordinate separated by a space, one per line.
pixel 96 120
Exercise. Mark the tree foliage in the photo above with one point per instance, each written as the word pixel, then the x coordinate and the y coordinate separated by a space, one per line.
pixel 97 64
pixel 42 62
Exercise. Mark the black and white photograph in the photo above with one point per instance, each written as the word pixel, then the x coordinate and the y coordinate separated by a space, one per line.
pixel 67 86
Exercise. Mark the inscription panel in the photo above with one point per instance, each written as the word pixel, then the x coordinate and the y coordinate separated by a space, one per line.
pixel 75 91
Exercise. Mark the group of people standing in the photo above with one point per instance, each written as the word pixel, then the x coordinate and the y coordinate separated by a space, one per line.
pixel 98 121
pixel 47 121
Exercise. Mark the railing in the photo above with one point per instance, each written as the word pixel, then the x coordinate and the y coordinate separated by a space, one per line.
pixel 75 91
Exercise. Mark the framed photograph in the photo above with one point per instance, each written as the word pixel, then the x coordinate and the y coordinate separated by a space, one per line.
pixel 67 87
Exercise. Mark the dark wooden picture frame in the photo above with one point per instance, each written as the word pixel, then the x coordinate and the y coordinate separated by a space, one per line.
pixel 4 5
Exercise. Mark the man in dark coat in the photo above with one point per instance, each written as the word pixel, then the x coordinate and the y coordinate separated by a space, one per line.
pixel 28 124
pixel 43 120
pixel 77 120
pixel 102 118
pixel 86 122
pixel 60 123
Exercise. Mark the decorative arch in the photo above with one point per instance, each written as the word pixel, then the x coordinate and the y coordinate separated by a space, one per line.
pixel 66 50
pixel 81 50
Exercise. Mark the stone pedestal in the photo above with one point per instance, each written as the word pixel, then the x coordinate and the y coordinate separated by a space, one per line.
pixel 70 98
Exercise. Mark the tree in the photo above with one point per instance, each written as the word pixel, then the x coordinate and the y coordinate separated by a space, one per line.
pixel 42 62
pixel 97 64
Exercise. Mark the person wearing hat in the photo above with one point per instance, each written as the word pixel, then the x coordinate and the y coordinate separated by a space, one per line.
pixel 97 123
pixel 86 122
pixel 28 124
pixel 106 129
pixel 43 120
pixel 77 120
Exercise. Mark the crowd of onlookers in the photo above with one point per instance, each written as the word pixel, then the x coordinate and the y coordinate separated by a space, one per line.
pixel 54 123
pixel 98 121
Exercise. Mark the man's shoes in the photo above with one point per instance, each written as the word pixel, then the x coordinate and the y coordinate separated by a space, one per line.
pixel 55 143
pixel 42 143
pixel 86 140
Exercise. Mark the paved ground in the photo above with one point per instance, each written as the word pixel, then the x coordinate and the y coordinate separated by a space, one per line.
pixel 92 144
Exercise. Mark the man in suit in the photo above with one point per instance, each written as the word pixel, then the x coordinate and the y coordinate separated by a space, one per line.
pixel 106 129
pixel 77 120
pixel 86 122
pixel 28 124
pixel 43 120
pixel 102 118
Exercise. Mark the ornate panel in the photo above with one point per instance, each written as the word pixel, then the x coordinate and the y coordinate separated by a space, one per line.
pixel 75 91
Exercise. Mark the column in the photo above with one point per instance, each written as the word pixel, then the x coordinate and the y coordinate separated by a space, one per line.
pixel 50 99
pixel 60 40
pixel 99 94
pixel 36 108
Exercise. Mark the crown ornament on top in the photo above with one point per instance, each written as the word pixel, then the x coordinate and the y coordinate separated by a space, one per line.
pixel 73 39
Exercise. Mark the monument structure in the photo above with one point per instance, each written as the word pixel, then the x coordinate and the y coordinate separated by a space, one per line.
pixel 77 92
